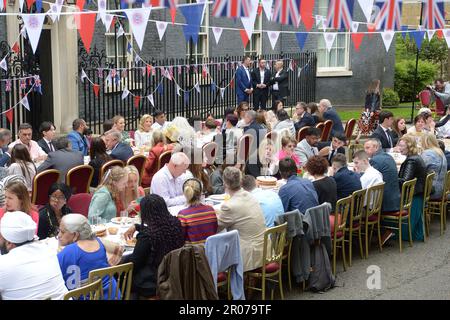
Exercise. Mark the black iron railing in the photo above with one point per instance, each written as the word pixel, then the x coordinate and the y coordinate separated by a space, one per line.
pixel 220 71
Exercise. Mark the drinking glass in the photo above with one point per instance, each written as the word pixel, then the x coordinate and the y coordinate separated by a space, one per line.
pixel 123 217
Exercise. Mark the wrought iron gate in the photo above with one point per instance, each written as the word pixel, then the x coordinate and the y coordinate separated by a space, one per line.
pixel 18 81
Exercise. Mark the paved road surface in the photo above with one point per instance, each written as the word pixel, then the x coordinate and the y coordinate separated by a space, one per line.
pixel 419 272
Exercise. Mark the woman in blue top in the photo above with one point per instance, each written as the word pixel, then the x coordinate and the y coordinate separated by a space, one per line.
pixel 106 202
pixel 83 252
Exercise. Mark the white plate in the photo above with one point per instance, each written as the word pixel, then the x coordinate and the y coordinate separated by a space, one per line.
pixel 217 197
pixel 118 220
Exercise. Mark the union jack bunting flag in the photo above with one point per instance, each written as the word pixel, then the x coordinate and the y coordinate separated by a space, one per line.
pixel 434 15
pixel 340 14
pixel 287 12
pixel 389 14
pixel 232 8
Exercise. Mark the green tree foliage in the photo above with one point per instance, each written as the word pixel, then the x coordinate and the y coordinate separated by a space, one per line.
pixel 432 58
pixel 404 77
pixel 390 97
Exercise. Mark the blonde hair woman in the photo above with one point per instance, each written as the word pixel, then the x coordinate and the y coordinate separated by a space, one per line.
pixel 435 161
pixel 119 125
pixel 105 203
pixel 413 167
pixel 268 151
pixel 151 164
pixel 199 221
pixel 143 136
pixel 133 191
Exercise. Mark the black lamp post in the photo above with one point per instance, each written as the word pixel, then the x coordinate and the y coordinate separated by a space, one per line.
pixel 415 72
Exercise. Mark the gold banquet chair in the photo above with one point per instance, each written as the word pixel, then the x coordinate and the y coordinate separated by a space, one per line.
pixel 354 226
pixel 373 214
pixel 403 216
pixel 91 291
pixel 274 239
pixel 426 198
pixel 343 209
pixel 439 206
pixel 124 278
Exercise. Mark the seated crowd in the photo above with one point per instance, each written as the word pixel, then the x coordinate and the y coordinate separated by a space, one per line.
pixel 314 172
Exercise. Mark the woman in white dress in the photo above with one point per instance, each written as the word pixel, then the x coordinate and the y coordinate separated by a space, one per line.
pixel 143 136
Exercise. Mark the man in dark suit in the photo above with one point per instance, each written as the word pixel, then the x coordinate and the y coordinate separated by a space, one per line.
pixel 347 181
pixel 330 149
pixel 243 81
pixel 5 139
pixel 47 130
pixel 119 150
pixel 253 167
pixel 260 82
pixel 305 119
pixel 280 84
pixel 384 133
pixel 384 163
pixel 63 159
pixel 329 113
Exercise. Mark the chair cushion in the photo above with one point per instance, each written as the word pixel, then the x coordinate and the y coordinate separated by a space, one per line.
pixel 373 217
pixel 338 234
pixel 396 213
pixel 221 277
pixel 270 268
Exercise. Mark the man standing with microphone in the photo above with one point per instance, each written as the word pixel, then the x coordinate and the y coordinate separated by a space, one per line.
pixel 280 84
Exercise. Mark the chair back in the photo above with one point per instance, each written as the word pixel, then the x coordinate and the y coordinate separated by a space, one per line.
pixel 92 291
pixel 108 165
pixel 274 239
pixel 320 126
pixel 374 201
pixel 428 187
pixel 79 178
pixel 138 161
pixel 349 127
pixel 358 204
pixel 446 191
pixel 243 149
pixel 41 183
pixel 342 211
pixel 209 152
pixel 440 107
pixel 327 125
pixel 124 278
pixel 407 195
pixel 79 203
pixel 352 148
pixel 164 158
pixel 302 133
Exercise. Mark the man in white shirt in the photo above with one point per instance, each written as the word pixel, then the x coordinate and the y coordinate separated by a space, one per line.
pixel 260 83
pixel 29 270
pixel 25 135
pixel 369 175
pixel 160 120
pixel 168 181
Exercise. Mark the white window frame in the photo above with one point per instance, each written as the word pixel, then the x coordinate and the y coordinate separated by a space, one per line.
pixel 254 45
pixel 332 71
pixel 127 55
